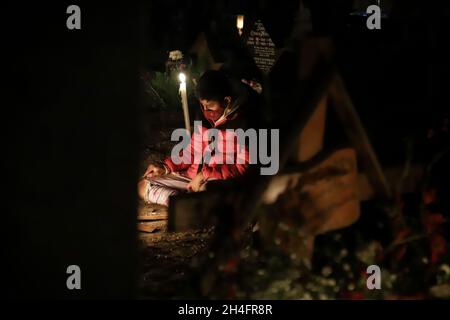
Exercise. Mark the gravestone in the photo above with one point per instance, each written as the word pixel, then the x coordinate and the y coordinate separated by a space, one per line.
pixel 262 47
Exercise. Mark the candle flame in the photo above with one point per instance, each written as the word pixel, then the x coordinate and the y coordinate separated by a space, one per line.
pixel 182 77
pixel 240 22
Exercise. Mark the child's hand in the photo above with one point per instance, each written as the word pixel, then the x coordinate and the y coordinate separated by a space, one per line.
pixel 154 171
pixel 196 183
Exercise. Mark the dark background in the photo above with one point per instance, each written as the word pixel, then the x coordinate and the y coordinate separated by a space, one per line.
pixel 71 105
pixel 69 149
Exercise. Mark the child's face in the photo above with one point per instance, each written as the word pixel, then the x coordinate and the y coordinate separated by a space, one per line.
pixel 211 105
pixel 212 109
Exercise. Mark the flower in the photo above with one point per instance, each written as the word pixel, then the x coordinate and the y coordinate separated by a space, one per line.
pixel 445 268
pixel 326 271
pixel 175 55
pixel 368 253
pixel 441 291
pixel 344 253
pixel 354 296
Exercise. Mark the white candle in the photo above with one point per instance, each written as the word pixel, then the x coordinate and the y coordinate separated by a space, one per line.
pixel 184 101
pixel 240 23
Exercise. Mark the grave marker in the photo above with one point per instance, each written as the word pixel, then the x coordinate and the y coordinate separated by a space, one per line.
pixel 262 47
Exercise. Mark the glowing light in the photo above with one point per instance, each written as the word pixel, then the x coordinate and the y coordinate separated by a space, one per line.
pixel 240 23
pixel 184 100
pixel 182 77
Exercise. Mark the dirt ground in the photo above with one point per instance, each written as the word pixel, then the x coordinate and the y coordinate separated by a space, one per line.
pixel 165 257
pixel 165 262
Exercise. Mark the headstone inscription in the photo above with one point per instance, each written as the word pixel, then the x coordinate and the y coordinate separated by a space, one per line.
pixel 262 47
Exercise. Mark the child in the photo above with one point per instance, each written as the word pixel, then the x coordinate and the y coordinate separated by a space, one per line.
pixel 222 103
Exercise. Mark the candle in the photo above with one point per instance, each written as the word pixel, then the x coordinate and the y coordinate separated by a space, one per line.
pixel 240 23
pixel 184 101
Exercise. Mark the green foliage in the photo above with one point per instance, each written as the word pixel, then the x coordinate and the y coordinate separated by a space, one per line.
pixel 167 88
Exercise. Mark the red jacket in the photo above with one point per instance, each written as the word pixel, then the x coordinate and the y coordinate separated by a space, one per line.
pixel 213 169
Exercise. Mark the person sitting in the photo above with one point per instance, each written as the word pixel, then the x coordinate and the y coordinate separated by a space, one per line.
pixel 223 106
